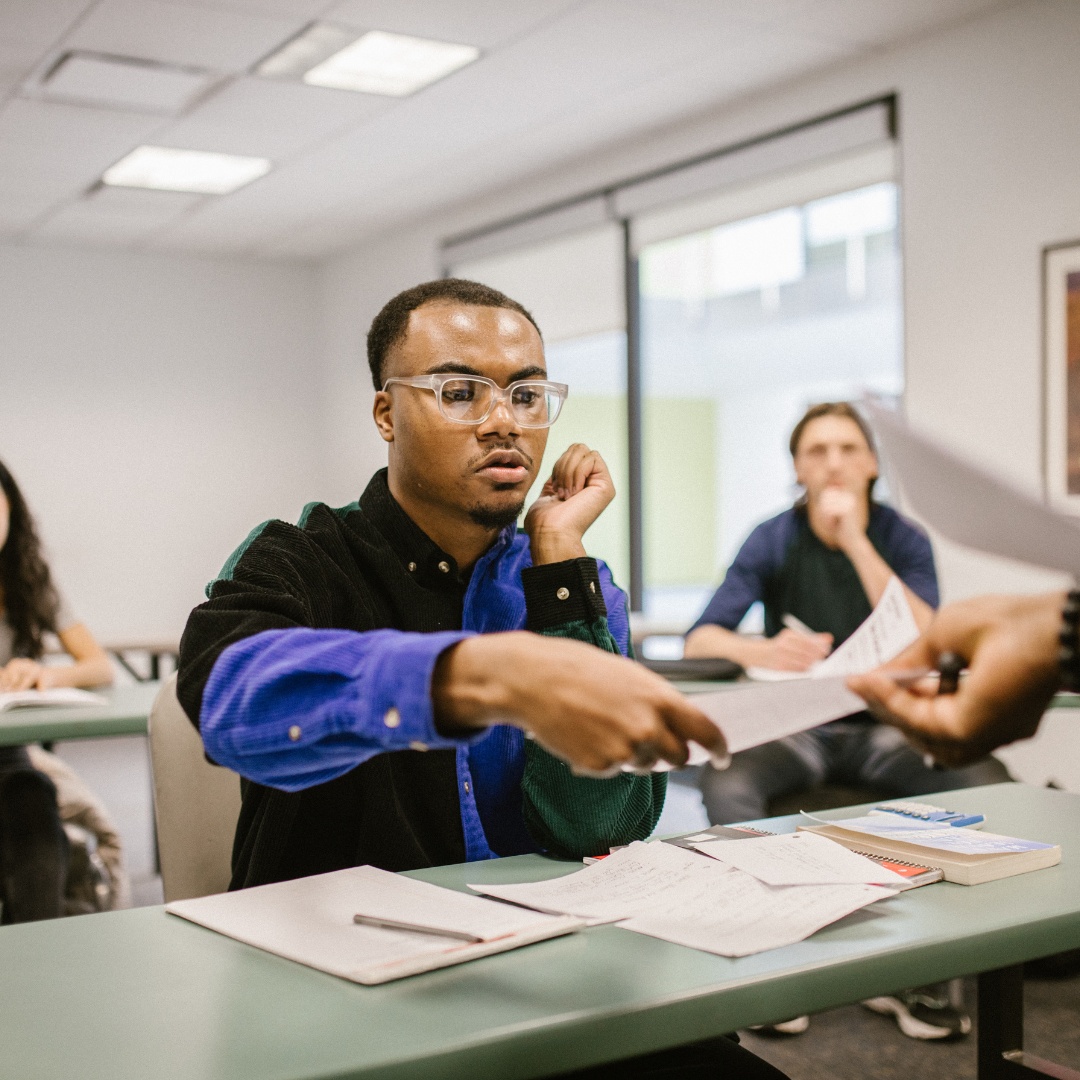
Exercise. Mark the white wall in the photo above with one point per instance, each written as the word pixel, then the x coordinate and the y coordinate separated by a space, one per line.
pixel 988 169
pixel 154 408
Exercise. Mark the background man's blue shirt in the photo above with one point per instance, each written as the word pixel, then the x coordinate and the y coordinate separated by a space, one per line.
pixel 785 566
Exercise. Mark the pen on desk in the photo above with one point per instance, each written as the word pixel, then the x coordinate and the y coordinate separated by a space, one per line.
pixel 415 928
pixel 792 623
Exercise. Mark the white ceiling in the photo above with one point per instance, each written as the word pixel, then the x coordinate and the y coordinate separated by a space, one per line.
pixel 557 79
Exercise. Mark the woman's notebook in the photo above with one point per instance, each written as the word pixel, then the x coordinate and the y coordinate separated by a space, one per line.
pixel 311 920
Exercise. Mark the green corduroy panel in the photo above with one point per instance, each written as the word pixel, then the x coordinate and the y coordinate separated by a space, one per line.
pixel 574 816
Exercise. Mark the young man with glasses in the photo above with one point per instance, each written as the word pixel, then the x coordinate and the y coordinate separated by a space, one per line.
pixel 409 681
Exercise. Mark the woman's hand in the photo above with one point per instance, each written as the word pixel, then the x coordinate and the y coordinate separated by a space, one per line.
pixel 21 674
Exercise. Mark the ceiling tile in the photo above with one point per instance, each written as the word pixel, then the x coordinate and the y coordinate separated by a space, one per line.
pixel 269 118
pixel 72 226
pixel 179 34
pixel 114 216
pixel 854 21
pixel 20 207
pixel 487 23
pixel 65 145
pixel 38 24
pixel 16 64
pixel 289 9
pixel 139 202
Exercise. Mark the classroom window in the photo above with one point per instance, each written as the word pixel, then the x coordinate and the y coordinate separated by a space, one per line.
pixel 742 327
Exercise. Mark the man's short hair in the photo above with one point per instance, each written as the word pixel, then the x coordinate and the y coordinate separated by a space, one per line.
pixel 832 408
pixel 390 325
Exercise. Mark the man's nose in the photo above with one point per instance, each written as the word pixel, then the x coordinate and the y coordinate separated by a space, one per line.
pixel 501 421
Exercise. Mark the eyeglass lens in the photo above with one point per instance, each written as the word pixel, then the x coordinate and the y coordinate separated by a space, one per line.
pixel 470 401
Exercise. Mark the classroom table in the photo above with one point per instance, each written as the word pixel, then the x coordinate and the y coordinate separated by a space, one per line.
pixel 131 994
pixel 125 711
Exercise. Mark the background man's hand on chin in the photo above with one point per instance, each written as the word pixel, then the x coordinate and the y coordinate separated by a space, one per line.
pixel 573 497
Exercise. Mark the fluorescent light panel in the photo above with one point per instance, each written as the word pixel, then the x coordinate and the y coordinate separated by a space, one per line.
pixel 166 169
pixel 377 62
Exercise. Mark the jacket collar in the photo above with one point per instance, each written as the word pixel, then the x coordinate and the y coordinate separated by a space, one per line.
pixel 418 552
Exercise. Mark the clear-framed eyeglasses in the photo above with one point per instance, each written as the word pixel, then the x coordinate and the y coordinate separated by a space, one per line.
pixel 471 399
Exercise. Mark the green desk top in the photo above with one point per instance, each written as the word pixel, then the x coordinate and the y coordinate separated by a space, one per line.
pixel 125 712
pixel 133 994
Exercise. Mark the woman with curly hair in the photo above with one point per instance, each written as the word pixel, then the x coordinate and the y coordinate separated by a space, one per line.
pixel 33 846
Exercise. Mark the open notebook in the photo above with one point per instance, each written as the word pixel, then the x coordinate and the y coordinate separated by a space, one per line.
pixel 61 695
pixel 311 920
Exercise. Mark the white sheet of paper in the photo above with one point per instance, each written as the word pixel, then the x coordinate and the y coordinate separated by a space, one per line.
pixel 674 894
pixel 762 712
pixel 968 504
pixel 791 860
pixel 628 881
pixel 888 630
pixel 743 916
pixel 382 895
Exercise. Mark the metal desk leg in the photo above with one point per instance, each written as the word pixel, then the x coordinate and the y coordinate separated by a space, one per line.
pixel 1001 1031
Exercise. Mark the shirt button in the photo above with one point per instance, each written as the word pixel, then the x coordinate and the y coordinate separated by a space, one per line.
pixel 392 718
pixel 294 733
pixel 417 745
pixel 563 593
pixel 444 566
pixel 592 586
pixel 412 567
pixel 466 787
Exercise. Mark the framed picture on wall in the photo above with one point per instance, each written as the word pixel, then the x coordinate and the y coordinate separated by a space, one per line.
pixel 1061 348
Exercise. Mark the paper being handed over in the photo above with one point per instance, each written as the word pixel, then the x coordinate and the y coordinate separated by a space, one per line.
pixel 970 505
pixel 677 895
pixel 763 712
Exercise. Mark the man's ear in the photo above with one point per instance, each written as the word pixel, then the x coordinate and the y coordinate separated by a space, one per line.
pixel 383 412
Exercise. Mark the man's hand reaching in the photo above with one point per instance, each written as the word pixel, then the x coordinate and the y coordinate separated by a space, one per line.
pixel 1010 645
pixel 573 497
pixel 595 710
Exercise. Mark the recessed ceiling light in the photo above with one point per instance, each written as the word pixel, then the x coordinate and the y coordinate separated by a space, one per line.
pixel 125 83
pixel 167 169
pixel 310 47
pixel 392 64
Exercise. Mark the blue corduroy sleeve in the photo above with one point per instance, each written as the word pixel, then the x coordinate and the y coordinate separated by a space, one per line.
pixel 298 707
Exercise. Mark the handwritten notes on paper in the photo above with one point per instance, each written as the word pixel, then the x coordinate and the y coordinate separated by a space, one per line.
pixel 889 630
pixel 678 895
pixel 790 860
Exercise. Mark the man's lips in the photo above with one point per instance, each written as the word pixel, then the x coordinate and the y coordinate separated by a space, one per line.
pixel 504 467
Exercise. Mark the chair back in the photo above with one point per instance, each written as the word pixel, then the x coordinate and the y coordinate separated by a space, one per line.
pixel 196 804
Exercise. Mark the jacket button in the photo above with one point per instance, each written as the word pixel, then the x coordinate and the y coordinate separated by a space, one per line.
pixel 412 567
pixel 417 745
pixel 466 787
pixel 444 566
pixel 392 718
pixel 294 733
pixel 563 593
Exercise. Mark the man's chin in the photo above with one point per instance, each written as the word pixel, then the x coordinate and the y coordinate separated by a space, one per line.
pixel 497 515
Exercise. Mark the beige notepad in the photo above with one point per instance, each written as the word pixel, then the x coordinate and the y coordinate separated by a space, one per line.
pixel 311 920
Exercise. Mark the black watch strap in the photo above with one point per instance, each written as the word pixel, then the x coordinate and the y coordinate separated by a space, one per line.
pixel 1069 653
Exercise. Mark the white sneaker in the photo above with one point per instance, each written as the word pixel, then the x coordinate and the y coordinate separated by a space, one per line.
pixel 796 1026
